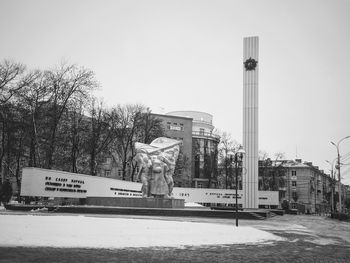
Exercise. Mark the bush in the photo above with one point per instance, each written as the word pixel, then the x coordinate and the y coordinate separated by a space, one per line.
pixel 341 216
pixel 5 192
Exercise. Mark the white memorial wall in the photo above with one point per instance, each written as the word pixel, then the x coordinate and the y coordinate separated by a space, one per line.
pixel 51 183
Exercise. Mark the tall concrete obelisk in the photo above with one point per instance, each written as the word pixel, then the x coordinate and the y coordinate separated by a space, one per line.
pixel 250 176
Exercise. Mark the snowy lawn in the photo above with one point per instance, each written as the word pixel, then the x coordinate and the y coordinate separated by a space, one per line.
pixel 97 232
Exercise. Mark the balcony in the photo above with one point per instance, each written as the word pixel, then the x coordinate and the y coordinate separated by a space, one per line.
pixel 203 121
pixel 207 135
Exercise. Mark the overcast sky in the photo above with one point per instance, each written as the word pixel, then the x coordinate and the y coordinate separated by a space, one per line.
pixel 187 55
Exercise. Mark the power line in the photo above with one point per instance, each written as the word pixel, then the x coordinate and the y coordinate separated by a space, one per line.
pixel 345 156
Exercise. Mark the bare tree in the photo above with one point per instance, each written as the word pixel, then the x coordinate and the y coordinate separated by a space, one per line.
pixel 227 146
pixel 65 83
pixel 265 166
pixel 150 127
pixel 34 98
pixel 271 171
pixel 123 150
pixel 76 134
pixel 10 79
pixel 102 126
pixel 279 156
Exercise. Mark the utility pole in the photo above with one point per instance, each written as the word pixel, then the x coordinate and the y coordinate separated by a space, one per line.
pixel 332 180
pixel 332 191
pixel 338 168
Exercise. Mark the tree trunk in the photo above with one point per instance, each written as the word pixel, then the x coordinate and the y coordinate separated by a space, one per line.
pixel 18 165
pixel 52 146
pixel 93 162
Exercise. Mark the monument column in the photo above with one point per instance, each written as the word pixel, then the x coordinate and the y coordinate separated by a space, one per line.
pixel 250 177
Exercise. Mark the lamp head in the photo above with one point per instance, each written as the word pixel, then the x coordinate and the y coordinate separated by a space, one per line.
pixel 241 150
pixel 230 155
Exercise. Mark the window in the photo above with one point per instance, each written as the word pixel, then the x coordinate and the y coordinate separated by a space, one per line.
pixel 282 194
pixel 294 183
pixel 201 131
pixel 107 173
pixel 120 173
pixel 181 147
pixel 294 173
pixel 199 185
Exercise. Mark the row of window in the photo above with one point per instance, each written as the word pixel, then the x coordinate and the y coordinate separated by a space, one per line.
pixel 175 123
pixel 174 126
pixel 179 139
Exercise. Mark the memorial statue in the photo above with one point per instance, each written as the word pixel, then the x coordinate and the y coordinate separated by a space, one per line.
pixel 156 163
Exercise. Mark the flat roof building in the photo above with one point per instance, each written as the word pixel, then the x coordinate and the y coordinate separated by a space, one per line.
pixel 180 128
pixel 204 170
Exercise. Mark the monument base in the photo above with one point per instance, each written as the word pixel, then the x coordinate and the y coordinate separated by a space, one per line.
pixel 136 202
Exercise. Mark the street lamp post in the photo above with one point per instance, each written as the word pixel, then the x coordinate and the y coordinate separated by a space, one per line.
pixel 238 156
pixel 338 168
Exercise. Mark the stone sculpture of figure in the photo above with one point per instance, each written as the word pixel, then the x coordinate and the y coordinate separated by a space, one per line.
pixel 156 166
pixel 158 184
pixel 169 157
pixel 145 166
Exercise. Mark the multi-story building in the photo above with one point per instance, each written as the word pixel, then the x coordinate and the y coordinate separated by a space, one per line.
pixel 205 142
pixel 180 128
pixel 299 183
pixel 197 165
pixel 346 197
pixel 308 185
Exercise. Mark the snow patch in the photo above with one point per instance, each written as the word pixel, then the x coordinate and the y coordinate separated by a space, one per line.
pixel 189 204
pixel 97 232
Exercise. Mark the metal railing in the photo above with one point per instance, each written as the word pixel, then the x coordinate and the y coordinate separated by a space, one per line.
pixel 206 134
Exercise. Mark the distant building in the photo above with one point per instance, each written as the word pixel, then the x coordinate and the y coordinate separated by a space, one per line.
pixel 301 184
pixel 180 128
pixel 204 170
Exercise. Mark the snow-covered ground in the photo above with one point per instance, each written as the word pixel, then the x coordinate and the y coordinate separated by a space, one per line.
pixel 192 205
pixel 98 232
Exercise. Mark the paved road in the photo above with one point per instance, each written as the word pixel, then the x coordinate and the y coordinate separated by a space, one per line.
pixel 306 239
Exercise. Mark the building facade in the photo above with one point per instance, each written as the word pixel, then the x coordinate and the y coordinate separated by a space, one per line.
pixel 197 162
pixel 180 128
pixel 301 185
pixel 308 185
pixel 204 170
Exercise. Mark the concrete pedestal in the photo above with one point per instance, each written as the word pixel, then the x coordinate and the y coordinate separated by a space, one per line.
pixel 136 202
